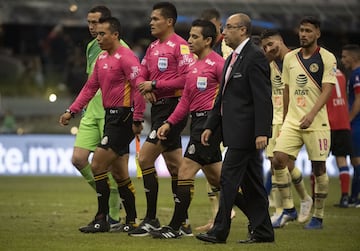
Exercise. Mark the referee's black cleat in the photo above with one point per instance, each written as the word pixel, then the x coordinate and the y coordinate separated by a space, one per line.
pixel 145 227
pixel 96 226
pixel 185 230
pixel 166 232
pixel 125 228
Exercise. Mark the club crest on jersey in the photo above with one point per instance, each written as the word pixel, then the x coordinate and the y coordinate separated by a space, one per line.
pixel 152 134
pixel 105 140
pixel 201 83
pixel 191 149
pixel 162 64
pixel 314 67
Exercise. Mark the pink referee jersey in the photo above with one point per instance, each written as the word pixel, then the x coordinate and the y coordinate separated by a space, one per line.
pixel 116 76
pixel 337 105
pixel 201 86
pixel 167 63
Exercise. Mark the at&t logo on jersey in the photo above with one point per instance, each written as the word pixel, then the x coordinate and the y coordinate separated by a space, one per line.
pixel 301 80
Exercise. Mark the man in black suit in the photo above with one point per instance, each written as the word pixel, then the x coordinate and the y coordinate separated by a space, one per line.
pixel 243 108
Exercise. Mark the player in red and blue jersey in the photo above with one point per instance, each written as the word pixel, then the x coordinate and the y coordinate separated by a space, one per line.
pixel 350 58
pixel 337 109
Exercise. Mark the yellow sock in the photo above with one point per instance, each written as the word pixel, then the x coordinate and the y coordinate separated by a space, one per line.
pixel 276 195
pixel 284 181
pixel 321 192
pixel 297 180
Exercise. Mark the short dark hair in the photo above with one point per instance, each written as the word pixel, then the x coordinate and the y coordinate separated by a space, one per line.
pixel 114 24
pixel 105 11
pixel 269 33
pixel 208 29
pixel 209 14
pixel 312 20
pixel 168 10
pixel 353 48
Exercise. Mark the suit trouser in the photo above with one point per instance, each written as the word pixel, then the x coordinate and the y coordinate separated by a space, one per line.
pixel 243 168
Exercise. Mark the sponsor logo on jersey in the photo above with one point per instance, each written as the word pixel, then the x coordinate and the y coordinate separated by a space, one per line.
pixel 171 44
pixel 277 81
pixel 301 80
pixel 209 62
pixel 184 49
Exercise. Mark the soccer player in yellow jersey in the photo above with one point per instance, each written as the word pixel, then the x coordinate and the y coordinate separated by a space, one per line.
pixel 275 50
pixel 309 74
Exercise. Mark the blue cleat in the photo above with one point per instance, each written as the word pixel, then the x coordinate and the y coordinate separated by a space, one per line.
pixel 285 217
pixel 315 223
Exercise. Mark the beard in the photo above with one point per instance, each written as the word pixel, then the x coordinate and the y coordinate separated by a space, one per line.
pixel 306 44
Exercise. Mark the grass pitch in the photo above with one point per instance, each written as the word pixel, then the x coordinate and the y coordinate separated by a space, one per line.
pixel 44 213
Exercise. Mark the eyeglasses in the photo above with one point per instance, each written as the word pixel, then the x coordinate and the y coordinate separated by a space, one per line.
pixel 232 27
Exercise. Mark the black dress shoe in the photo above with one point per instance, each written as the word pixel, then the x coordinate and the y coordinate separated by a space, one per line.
pixel 208 238
pixel 255 240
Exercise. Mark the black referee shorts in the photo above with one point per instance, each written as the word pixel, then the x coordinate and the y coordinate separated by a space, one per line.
pixel 160 111
pixel 118 131
pixel 204 155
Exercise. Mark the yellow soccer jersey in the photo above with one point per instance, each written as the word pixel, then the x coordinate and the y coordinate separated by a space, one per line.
pixel 277 87
pixel 304 78
pixel 226 50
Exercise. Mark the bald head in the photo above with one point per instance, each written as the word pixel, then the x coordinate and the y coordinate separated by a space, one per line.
pixel 237 29
pixel 242 20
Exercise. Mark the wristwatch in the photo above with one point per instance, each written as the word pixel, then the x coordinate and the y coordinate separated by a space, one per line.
pixel 153 84
pixel 71 113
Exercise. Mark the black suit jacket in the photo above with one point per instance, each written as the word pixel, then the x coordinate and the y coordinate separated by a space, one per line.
pixel 245 100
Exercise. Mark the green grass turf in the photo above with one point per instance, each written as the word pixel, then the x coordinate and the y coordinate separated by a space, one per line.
pixel 44 213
